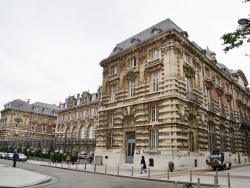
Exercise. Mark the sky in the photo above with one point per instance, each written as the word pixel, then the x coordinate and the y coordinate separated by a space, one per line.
pixel 50 49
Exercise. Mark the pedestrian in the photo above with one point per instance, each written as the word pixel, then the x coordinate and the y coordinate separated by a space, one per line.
pixel 68 159
pixel 15 158
pixel 143 165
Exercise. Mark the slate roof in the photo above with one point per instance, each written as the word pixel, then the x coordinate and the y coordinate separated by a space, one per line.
pixel 22 105
pixel 145 35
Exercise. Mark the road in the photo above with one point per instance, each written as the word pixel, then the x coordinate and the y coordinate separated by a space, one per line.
pixel 70 178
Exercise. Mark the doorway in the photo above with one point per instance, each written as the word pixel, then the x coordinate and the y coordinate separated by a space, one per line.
pixel 130 147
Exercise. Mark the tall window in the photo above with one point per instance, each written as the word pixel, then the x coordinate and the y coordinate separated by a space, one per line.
pixel 221 139
pixel 76 115
pixel 82 135
pixel 154 139
pixel 131 88
pixel 83 114
pixel 53 129
pixel 109 141
pixel 187 80
pixel 74 133
pixel 111 119
pixel 92 112
pixel 113 70
pixel 113 92
pixel 232 141
pixel 155 81
pixel 17 124
pixel 186 59
pixel 91 132
pixel 154 54
pixel 68 133
pixel 33 126
pixel 191 141
pixel 44 128
pixel 154 113
pixel 210 137
pixel 132 63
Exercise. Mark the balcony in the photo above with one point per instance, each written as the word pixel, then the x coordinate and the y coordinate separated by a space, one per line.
pixel 192 97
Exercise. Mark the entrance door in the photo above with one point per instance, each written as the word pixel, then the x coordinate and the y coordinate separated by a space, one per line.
pixel 130 147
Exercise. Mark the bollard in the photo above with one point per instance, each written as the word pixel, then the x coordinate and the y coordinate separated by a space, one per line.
pixel 190 175
pixel 105 169
pixel 168 174
pixel 176 184
pixel 118 170
pixel 132 171
pixel 228 180
pixel 149 172
pixel 94 167
pixel 215 181
pixel 85 166
pixel 68 165
pixel 76 165
pixel 217 178
pixel 56 162
pixel 198 182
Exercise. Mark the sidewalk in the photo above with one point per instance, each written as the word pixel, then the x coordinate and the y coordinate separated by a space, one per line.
pixel 17 177
pixel 239 174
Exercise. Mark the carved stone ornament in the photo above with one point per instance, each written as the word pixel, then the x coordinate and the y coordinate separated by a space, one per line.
pixel 142 58
pixel 209 83
pixel 121 64
pixel 229 96
pixel 131 74
pixel 105 70
pixel 239 101
pixel 188 70
pixel 183 113
pixel 172 46
pixel 219 89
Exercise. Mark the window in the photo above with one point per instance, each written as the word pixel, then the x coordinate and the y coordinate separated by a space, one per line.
pixel 35 108
pixel 82 135
pixel 114 70
pixel 83 114
pixel 187 80
pixel 76 115
pixel 68 133
pixel 221 139
pixel 132 63
pixel 45 110
pixel 111 119
pixel 53 129
pixel 210 137
pixel 154 54
pixel 45 119
pixel 44 128
pixel 154 139
pixel 91 132
pixel 74 133
pixel 33 126
pixel 131 88
pixel 54 112
pixel 109 141
pixel 113 91
pixel 155 81
pixel 17 124
pixel 186 58
pixel 92 112
pixel 154 113
pixel 191 141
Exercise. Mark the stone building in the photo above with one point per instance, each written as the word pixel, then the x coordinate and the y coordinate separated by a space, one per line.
pixel 77 121
pixel 22 123
pixel 166 98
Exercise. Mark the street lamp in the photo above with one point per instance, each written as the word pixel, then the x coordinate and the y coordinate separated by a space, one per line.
pixel 243 21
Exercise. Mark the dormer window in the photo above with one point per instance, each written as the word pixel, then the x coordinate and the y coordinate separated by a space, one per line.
pixel 156 31
pixel 20 106
pixel 54 112
pixel 45 110
pixel 35 108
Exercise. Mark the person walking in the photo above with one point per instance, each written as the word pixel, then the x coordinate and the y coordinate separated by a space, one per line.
pixel 15 158
pixel 143 165
pixel 68 159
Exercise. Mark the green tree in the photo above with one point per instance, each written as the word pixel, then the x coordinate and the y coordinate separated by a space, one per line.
pixel 238 37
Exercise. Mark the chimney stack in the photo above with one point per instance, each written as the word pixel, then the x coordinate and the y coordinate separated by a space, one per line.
pixel 60 105
pixel 28 101
pixel 78 95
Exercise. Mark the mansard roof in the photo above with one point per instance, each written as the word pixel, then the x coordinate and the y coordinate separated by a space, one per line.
pixel 145 35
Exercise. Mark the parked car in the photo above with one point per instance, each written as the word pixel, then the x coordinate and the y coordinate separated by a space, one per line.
pixel 86 156
pixel 2 155
pixel 9 156
pixel 22 157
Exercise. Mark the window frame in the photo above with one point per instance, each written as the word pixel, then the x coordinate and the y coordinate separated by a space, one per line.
pixel 155 54
pixel 154 139
pixel 154 111
pixel 155 81
pixel 132 88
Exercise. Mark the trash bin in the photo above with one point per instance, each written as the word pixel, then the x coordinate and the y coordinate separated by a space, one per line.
pixel 98 160
pixel 171 166
pixel 151 162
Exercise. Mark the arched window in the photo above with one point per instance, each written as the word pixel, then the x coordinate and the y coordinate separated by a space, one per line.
pixel 74 132
pixel 82 134
pixel 68 133
pixel 91 132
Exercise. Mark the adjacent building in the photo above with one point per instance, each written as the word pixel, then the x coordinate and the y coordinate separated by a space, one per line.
pixel 170 100
pixel 77 122
pixel 25 124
